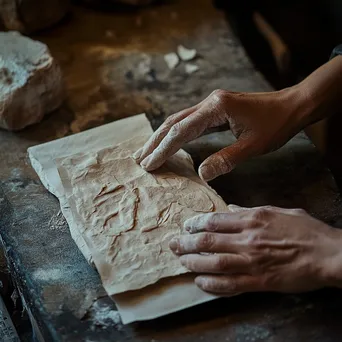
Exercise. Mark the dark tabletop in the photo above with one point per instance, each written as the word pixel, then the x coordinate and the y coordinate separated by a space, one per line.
pixel 104 56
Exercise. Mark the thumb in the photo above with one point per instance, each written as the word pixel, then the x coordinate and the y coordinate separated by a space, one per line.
pixel 224 160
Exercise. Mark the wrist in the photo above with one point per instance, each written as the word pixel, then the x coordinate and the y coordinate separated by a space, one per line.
pixel 299 105
pixel 320 93
pixel 331 269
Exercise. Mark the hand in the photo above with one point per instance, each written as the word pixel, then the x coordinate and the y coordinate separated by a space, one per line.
pixel 261 122
pixel 260 249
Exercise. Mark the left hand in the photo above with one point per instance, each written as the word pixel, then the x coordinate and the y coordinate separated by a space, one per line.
pixel 260 249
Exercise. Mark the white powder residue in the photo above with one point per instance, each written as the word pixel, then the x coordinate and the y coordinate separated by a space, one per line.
pixel 57 222
pixel 106 317
pixel 47 275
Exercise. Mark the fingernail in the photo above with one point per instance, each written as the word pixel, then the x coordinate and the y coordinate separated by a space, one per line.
pixel 145 164
pixel 207 172
pixel 174 245
pixel 183 260
pixel 191 224
pixel 189 228
pixel 187 225
pixel 137 154
pixel 199 281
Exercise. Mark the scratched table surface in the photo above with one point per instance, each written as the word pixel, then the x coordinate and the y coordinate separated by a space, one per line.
pixel 114 68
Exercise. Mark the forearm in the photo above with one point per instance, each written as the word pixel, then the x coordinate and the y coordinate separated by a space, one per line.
pixel 321 92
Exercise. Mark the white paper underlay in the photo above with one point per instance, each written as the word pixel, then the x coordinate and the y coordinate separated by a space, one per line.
pixel 168 295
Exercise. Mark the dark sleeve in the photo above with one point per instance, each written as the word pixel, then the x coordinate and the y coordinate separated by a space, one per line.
pixel 337 51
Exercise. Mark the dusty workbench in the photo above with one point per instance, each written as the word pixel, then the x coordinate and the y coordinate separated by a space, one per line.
pixel 113 66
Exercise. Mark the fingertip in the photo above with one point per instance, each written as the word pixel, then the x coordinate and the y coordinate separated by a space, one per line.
pixel 146 163
pixel 207 172
pixel 191 224
pixel 188 226
pixel 152 162
pixel 187 222
pixel 201 282
pixel 174 243
pixel 184 260
pixel 234 208
pixel 137 155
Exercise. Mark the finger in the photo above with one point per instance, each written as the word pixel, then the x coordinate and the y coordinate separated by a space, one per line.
pixel 161 132
pixel 205 243
pixel 214 222
pixel 137 154
pixel 286 211
pixel 237 209
pixel 222 284
pixel 215 263
pixel 224 161
pixel 180 133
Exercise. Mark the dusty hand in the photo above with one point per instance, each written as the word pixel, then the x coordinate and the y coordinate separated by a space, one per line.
pixel 261 122
pixel 260 249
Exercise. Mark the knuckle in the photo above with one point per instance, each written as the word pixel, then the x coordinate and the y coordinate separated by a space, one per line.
pixel 266 282
pixel 218 93
pixel 176 129
pixel 253 223
pixel 170 120
pixel 231 286
pixel 222 96
pixel 227 285
pixel 218 96
pixel 254 267
pixel 269 207
pixel 209 285
pixel 211 222
pixel 205 241
pixel 221 263
pixel 262 213
pixel 300 211
pixel 253 240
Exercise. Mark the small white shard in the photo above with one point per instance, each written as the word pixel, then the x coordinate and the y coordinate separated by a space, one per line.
pixel 172 60
pixel 186 54
pixel 191 68
pixel 144 67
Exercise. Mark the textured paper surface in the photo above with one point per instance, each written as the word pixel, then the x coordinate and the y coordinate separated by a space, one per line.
pixel 43 157
pixel 128 216
pixel 169 295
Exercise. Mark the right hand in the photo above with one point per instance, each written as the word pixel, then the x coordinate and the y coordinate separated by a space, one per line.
pixel 261 122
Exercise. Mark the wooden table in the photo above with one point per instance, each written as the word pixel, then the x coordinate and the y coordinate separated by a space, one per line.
pixel 113 66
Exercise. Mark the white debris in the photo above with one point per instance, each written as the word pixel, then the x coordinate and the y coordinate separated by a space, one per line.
pixel 144 66
pixel 47 275
pixel 186 54
pixel 106 317
pixel 191 68
pixel 172 60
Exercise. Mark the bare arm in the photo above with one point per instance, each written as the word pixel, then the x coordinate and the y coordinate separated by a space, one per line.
pixel 322 91
pixel 261 122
